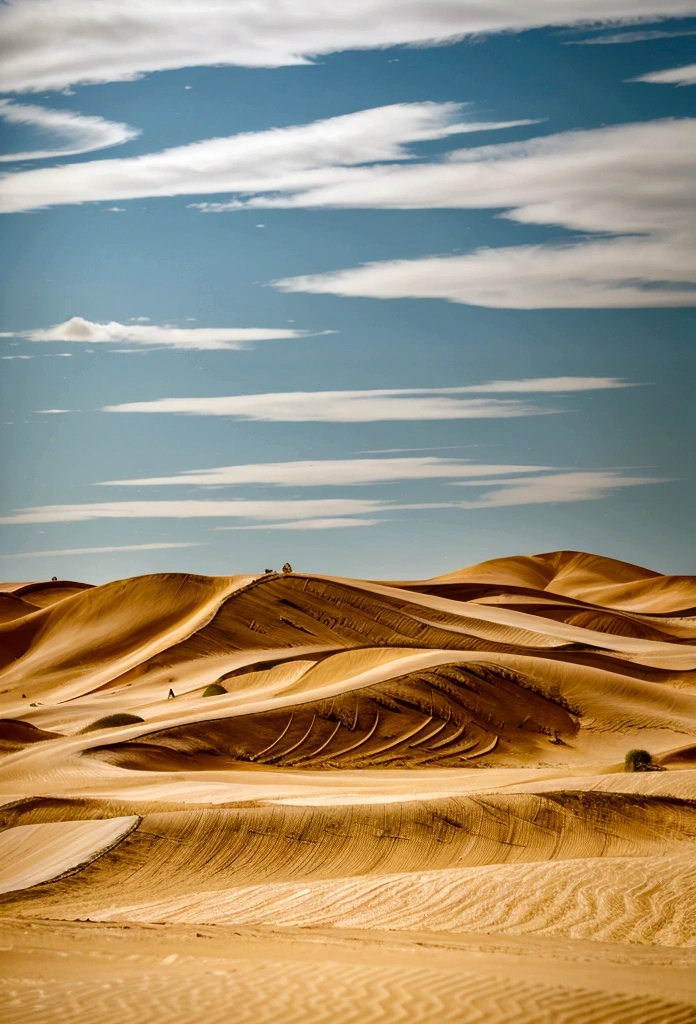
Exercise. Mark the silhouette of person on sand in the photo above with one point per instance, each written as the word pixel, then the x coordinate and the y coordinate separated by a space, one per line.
pixel 170 694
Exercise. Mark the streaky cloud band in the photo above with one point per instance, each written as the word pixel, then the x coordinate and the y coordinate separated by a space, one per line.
pixel 51 44
pixel 378 404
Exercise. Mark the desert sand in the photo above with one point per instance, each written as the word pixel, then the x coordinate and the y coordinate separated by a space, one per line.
pixel 303 798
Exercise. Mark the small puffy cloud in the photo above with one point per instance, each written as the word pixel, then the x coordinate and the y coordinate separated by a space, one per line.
pixel 76 133
pixel 375 405
pixel 16 357
pixel 685 75
pixel 52 412
pixel 52 44
pixel 115 209
pixel 77 329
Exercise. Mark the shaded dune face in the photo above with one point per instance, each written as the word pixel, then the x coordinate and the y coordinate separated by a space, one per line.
pixel 441 717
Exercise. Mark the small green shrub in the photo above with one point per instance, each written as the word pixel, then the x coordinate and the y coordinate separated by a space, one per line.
pixel 113 721
pixel 638 761
pixel 214 690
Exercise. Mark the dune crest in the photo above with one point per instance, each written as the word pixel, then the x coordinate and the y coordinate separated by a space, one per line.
pixel 403 766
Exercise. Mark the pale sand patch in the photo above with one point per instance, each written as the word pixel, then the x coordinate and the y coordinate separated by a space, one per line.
pixel 30 854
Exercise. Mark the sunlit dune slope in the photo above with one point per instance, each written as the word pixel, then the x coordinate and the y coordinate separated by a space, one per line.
pixel 589 578
pixel 175 853
pixel 298 751
pixel 30 854
pixel 321 672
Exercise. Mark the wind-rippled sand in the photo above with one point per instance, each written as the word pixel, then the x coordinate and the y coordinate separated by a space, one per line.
pixel 403 802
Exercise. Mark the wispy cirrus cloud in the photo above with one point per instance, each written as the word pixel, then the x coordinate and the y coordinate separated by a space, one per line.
pixel 606 182
pixel 52 44
pixel 104 550
pixel 375 405
pixel 328 472
pixel 280 160
pixel 685 75
pixel 308 524
pixel 75 133
pixel 263 510
pixel 541 488
pixel 631 186
pixel 152 336
pixel 558 487
pixel 647 36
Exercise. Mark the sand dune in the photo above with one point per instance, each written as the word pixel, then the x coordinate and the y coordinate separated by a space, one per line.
pixel 411 759
pixel 30 854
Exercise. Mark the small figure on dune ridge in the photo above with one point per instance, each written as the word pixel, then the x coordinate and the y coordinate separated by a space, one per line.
pixel 267 571
pixel 287 567
pixel 171 694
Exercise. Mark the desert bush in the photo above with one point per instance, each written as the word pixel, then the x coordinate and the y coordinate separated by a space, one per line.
pixel 113 721
pixel 638 761
pixel 214 690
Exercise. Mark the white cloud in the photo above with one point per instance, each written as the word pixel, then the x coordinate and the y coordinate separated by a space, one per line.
pixel 104 550
pixel 340 406
pixel 685 75
pixel 16 357
pixel 285 160
pixel 52 44
pixel 150 336
pixel 46 412
pixel 375 405
pixel 610 274
pixel 116 209
pixel 308 524
pixel 629 37
pixel 557 487
pixel 540 489
pixel 328 472
pixel 237 509
pixel 77 133
pixel 537 385
pixel 633 181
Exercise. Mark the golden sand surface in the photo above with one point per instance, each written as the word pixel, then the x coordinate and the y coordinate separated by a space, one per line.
pixel 402 802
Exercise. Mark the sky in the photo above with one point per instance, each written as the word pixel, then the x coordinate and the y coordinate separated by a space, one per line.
pixel 381 289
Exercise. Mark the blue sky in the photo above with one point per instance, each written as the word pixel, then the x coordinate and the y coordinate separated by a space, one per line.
pixel 382 292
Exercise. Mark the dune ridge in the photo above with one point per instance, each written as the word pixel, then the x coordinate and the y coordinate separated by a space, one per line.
pixel 381 762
